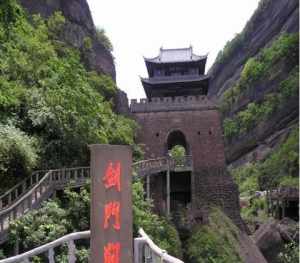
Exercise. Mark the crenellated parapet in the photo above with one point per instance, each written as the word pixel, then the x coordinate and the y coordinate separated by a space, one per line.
pixel 179 103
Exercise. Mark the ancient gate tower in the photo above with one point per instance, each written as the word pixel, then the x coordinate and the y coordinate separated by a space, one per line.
pixel 178 112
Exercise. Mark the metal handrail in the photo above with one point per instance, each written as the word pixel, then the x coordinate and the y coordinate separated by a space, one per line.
pixel 143 244
pixel 140 245
pixel 49 247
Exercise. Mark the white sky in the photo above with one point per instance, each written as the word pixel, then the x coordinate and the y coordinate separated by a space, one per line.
pixel 139 28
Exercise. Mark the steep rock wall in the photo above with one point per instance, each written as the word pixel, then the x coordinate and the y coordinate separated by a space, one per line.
pixel 79 25
pixel 271 19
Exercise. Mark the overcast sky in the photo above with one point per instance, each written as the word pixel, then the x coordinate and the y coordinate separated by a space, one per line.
pixel 139 28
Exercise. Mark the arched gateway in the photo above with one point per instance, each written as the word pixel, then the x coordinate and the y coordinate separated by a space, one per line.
pixel 177 111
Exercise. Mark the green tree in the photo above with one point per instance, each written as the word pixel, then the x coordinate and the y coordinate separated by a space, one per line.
pixel 47 92
pixel 18 155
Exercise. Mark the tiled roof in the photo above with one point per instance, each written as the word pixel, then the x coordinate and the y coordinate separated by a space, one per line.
pixel 176 55
pixel 172 79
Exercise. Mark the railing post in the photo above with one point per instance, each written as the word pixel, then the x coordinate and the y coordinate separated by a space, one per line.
pixel 51 255
pixel 16 246
pixel 138 246
pixel 71 252
pixel 1 223
pixel 9 199
pixel 35 195
pixel 168 188
pixel 148 186
pixel 23 187
pixel 16 193
pixel 75 175
pixel 29 200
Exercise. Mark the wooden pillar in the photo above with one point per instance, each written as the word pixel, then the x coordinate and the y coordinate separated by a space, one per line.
pixel 148 186
pixel 168 190
pixel 283 208
pixel 17 246
pixel 267 201
pixel 277 208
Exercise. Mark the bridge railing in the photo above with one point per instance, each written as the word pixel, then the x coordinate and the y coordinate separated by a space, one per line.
pixel 163 164
pixel 146 251
pixel 68 176
pixel 181 162
pixel 48 249
pixel 38 193
pixel 41 185
pixel 16 192
pixel 41 191
pixel 151 166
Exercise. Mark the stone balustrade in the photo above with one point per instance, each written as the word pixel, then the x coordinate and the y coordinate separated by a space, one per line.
pixel 179 103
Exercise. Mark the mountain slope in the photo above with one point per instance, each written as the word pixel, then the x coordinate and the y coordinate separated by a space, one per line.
pixel 254 79
pixel 79 26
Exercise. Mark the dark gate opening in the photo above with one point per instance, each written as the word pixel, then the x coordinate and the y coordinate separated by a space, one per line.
pixel 292 210
pixel 177 138
pixel 180 194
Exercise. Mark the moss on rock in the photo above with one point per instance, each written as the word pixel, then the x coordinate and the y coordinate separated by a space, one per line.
pixel 215 242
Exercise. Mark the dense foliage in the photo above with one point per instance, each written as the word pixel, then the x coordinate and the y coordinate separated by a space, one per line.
pixel 214 242
pixel 290 253
pixel 281 168
pixel 285 49
pixel 18 154
pixel 46 92
pixel 72 213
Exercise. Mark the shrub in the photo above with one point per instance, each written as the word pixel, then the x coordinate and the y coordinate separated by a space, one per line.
pixel 18 155
pixel 87 43
pixel 39 226
pixel 103 39
pixel 230 127
pixel 55 24
pixel 290 253
pixel 280 168
pixel 290 86
pixel 215 242
pixel 284 48
pixel 246 178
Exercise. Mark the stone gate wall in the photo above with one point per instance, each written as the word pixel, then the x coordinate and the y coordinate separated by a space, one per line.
pixel 199 120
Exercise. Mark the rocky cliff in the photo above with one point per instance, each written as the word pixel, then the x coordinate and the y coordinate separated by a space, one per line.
pixel 259 63
pixel 78 28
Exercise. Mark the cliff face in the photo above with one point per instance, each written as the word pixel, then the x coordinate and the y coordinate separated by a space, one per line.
pixel 79 25
pixel 271 20
pixel 268 22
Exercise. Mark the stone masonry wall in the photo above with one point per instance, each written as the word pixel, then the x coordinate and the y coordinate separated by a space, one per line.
pixel 201 129
pixel 211 184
